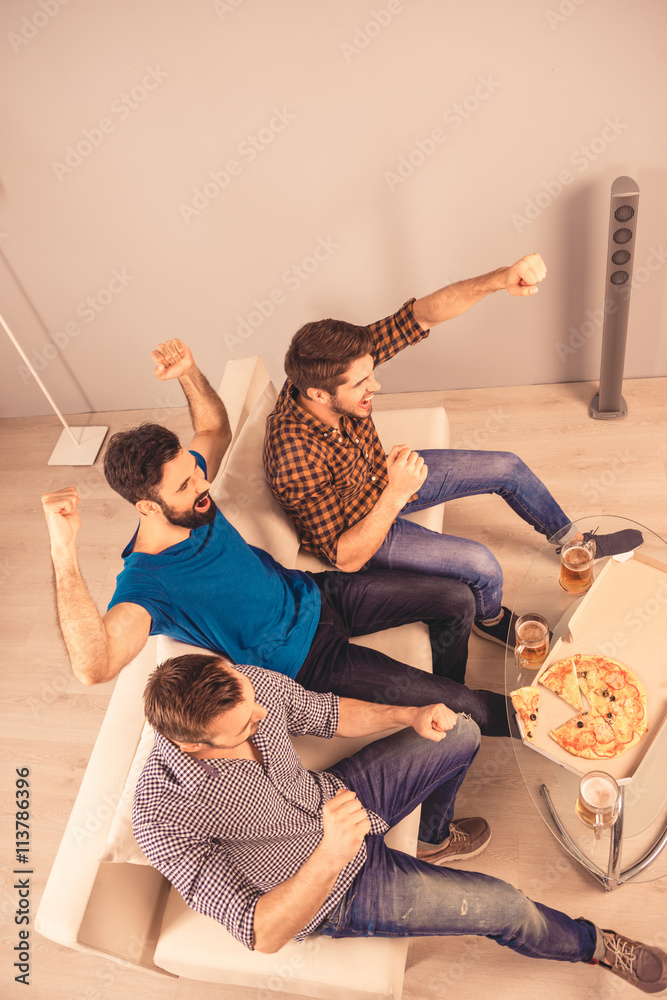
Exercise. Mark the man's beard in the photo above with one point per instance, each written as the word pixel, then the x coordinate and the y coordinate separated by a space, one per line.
pixel 336 407
pixel 190 518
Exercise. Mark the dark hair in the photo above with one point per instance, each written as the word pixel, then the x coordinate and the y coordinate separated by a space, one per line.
pixel 321 353
pixel 134 460
pixel 184 694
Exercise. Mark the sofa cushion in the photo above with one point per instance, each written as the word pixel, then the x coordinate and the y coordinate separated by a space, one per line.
pixel 243 494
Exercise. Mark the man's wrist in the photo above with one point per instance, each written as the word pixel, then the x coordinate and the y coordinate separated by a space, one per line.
pixel 496 280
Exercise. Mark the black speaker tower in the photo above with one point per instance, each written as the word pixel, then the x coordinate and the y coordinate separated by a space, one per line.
pixel 608 403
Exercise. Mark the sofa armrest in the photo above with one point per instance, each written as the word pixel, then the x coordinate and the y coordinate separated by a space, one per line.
pixel 84 906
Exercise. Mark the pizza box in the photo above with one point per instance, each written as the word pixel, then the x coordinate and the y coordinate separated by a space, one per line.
pixel 623 616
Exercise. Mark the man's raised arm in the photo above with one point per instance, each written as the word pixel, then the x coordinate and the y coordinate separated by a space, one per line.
pixel 521 278
pixel 98 647
pixel 174 359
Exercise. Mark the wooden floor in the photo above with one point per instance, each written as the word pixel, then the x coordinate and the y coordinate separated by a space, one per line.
pixel 49 721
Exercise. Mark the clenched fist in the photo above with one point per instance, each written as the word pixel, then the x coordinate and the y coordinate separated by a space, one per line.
pixel 172 360
pixel 61 510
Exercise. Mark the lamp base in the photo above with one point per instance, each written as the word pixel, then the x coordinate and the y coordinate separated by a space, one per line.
pixel 84 452
pixel 599 414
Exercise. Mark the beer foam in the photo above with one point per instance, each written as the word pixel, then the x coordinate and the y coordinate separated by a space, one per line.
pixel 577 556
pixel 531 632
pixel 598 792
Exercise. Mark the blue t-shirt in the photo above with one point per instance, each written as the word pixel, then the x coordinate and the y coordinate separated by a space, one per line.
pixel 216 591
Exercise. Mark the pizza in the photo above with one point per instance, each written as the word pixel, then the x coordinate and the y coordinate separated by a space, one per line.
pixel 562 679
pixel 617 716
pixel 526 705
pixel 588 735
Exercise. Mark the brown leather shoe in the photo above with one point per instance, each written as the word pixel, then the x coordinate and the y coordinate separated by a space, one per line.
pixel 467 837
pixel 640 964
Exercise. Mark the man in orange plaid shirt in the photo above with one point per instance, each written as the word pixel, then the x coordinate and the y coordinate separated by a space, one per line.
pixel 327 467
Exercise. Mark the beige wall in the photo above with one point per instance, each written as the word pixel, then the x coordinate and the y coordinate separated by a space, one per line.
pixel 108 250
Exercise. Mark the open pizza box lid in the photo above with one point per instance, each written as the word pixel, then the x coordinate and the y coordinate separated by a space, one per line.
pixel 623 616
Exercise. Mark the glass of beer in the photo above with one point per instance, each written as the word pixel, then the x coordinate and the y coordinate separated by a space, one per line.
pixel 576 566
pixel 532 641
pixel 598 801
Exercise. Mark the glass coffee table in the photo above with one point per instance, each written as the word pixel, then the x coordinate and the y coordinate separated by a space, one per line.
pixel 622 616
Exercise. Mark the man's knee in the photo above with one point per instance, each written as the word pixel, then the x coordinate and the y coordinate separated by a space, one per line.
pixel 486 570
pixel 457 600
pixel 467 730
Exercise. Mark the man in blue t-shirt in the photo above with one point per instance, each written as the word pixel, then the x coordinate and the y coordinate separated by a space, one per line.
pixel 189 574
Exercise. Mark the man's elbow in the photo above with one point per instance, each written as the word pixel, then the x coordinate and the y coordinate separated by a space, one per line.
pixel 266 944
pixel 347 564
pixel 91 674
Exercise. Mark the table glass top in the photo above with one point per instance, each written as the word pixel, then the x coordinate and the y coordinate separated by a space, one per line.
pixel 623 616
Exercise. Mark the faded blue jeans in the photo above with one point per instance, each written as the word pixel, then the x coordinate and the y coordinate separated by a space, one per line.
pixel 452 474
pixel 395 895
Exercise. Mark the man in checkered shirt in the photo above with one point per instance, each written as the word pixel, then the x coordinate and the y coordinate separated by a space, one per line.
pixel 327 467
pixel 225 809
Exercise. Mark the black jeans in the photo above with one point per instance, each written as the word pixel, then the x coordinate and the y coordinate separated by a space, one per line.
pixel 373 600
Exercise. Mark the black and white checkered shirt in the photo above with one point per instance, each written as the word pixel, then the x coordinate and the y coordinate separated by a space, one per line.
pixel 226 831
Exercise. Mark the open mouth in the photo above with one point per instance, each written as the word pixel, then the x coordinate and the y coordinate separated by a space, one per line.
pixel 203 503
pixel 365 404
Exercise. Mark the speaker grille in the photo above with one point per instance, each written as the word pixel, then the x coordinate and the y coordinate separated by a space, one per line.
pixel 622 236
pixel 624 213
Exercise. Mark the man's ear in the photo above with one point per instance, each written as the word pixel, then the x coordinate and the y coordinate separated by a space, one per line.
pixel 190 747
pixel 318 396
pixel 147 507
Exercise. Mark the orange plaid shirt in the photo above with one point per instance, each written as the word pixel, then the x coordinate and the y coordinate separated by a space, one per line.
pixel 327 479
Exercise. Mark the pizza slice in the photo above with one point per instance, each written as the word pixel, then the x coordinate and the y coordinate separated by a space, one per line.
pixel 590 736
pixel 616 693
pixel 526 702
pixel 561 678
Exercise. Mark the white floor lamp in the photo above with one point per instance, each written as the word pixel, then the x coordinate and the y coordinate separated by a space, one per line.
pixel 76 445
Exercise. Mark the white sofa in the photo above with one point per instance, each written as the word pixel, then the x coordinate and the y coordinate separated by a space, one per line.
pixel 102 896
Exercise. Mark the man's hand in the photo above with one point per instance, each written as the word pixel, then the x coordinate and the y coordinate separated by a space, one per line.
pixel 173 360
pixel 523 277
pixel 406 471
pixel 433 721
pixel 63 520
pixel 345 823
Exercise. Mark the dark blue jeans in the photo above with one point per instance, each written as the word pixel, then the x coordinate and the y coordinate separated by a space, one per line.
pixel 373 600
pixel 395 895
pixel 457 473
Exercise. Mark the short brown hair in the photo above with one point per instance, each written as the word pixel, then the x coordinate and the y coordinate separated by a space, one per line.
pixel 135 460
pixel 321 353
pixel 184 694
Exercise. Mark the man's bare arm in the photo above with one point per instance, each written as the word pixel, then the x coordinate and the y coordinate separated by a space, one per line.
pixel 521 278
pixel 98 647
pixel 174 359
pixel 363 718
pixel 406 471
pixel 282 912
